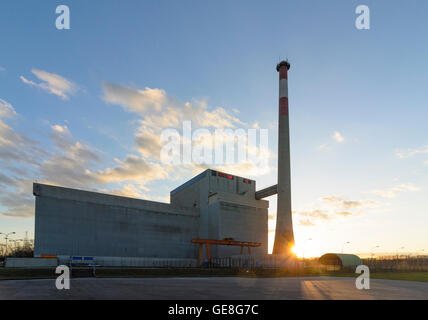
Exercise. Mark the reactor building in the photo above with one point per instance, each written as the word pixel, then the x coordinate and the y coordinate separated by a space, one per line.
pixel 213 205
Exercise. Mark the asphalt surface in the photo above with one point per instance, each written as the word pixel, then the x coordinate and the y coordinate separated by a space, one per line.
pixel 318 288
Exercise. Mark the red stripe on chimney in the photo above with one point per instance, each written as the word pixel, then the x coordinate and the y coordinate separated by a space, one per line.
pixel 283 106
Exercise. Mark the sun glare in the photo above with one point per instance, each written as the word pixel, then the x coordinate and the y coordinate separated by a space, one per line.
pixel 297 251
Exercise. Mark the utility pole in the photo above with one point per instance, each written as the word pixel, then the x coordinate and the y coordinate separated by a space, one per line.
pixel 345 244
pixel 372 254
pixel 6 237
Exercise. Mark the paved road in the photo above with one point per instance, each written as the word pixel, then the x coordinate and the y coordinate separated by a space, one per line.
pixel 213 288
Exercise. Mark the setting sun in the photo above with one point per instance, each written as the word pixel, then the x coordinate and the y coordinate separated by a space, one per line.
pixel 298 251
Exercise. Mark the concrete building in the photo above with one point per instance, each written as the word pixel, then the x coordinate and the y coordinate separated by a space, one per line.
pixel 213 205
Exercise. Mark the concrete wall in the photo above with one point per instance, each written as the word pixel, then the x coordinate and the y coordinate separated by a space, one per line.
pixel 135 262
pixel 243 224
pixel 240 218
pixel 79 223
pixel 31 263
pixel 72 222
pixel 206 189
pixel 194 194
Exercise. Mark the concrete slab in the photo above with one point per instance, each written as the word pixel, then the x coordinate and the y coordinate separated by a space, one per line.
pixel 319 288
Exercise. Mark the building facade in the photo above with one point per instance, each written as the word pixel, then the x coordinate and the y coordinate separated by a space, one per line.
pixel 213 205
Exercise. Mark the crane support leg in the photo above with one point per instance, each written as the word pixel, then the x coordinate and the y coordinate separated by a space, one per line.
pixel 200 254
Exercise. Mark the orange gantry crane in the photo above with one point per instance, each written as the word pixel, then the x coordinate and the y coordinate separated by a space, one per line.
pixel 225 242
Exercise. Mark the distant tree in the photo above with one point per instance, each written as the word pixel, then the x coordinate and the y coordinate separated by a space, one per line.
pixel 23 249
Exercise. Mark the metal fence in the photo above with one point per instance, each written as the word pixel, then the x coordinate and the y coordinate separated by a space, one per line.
pixel 397 263
pixel 251 262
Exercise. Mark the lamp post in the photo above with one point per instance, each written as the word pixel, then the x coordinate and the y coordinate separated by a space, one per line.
pixel 372 254
pixel 399 249
pixel 345 243
pixel 6 236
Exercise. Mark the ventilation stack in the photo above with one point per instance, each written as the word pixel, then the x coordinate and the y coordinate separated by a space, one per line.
pixel 284 237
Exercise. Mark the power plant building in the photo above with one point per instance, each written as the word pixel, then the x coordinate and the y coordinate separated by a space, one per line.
pixel 213 205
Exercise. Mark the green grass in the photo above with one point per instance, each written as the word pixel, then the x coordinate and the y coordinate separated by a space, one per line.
pixel 12 273
pixel 15 273
pixel 407 276
pixel 392 275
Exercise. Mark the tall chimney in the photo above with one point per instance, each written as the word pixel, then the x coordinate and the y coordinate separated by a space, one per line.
pixel 284 237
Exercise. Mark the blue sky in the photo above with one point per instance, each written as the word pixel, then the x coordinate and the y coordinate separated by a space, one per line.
pixel 365 185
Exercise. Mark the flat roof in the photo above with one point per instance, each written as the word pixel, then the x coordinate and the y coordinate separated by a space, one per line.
pixel 200 177
pixel 191 181
pixel 43 190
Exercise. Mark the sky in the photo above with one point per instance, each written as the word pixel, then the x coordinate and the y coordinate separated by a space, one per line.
pixel 85 107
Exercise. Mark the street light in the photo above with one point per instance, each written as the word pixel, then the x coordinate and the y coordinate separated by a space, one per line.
pixel 399 249
pixel 6 236
pixel 345 244
pixel 371 250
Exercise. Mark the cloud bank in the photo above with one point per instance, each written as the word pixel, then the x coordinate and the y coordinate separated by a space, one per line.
pixel 52 83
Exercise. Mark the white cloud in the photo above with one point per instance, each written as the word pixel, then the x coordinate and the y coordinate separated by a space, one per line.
pixel 333 207
pixel 323 147
pixel 331 198
pixel 393 191
pixel 6 109
pixel 135 100
pixel 52 83
pixel 169 112
pixel 132 169
pixel 76 164
pixel 409 153
pixel 14 147
pixel 314 214
pixel 71 165
pixel 306 223
pixel 148 141
pixel 61 129
pixel 2 68
pixel 158 111
pixel 337 136
pixel 20 201
pixel 340 203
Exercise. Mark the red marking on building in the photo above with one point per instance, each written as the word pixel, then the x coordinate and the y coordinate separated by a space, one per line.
pixel 283 73
pixel 283 106
pixel 224 175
